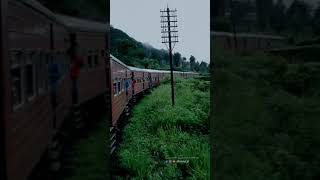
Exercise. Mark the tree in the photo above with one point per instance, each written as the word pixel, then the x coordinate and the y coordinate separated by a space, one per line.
pixel 192 63
pixel 203 67
pixel 298 16
pixel 184 64
pixel 278 18
pixel 125 46
pixel 165 57
pixel 197 66
pixel 316 21
pixel 176 59
pixel 263 9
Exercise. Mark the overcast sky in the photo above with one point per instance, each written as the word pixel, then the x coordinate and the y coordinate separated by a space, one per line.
pixel 140 19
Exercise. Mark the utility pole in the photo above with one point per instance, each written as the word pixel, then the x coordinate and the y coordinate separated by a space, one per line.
pixel 169 36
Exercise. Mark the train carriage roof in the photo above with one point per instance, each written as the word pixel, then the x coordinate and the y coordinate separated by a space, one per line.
pixel 145 70
pixel 138 69
pixel 78 24
pixel 118 61
pixel 35 5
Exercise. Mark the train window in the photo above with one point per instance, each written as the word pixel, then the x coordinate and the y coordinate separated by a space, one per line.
pixel 96 60
pixel 29 83
pixel 119 87
pixel 89 62
pixel 37 63
pixel 16 86
pixel 46 59
pixel 115 92
pixel 41 74
pixel 124 84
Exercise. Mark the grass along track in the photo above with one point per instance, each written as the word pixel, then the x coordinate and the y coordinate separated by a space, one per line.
pixel 157 132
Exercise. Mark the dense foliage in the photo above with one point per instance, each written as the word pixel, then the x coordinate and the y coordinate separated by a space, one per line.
pixel 299 21
pixel 137 54
pixel 157 131
pixel 265 118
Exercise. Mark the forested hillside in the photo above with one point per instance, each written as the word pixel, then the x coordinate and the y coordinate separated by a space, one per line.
pixel 141 55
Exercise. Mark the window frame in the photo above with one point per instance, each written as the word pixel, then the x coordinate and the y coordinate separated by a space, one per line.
pixel 119 87
pixel 115 87
pixel 17 62
pixel 96 59
pixel 30 62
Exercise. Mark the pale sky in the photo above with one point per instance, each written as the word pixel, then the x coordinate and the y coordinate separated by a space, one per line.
pixel 140 19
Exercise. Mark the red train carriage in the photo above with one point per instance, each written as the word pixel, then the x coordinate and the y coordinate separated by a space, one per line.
pixel 29 120
pixel 138 75
pixel 62 102
pixel 29 75
pixel 35 47
pixel 155 75
pixel 122 92
pixel 91 38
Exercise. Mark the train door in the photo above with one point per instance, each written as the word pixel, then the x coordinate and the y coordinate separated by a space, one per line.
pixel 149 80
pixel 127 85
pixel 53 73
pixel 133 83
pixel 143 80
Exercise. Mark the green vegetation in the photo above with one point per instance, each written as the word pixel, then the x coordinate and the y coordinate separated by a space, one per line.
pixel 85 158
pixel 134 53
pixel 157 131
pixel 265 118
pixel 298 21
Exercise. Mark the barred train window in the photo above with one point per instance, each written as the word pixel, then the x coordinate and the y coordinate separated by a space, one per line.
pixel 115 89
pixel 96 60
pixel 47 62
pixel 16 78
pixel 89 62
pixel 29 84
pixel 16 85
pixel 43 72
pixel 38 69
pixel 119 87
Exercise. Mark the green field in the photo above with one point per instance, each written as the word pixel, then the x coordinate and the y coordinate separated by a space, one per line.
pixel 157 132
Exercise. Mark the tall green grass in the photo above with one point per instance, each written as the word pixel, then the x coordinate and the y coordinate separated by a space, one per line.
pixel 158 131
pixel 86 158
pixel 266 118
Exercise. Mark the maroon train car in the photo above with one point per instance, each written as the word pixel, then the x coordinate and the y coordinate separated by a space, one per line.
pixel 120 73
pixel 34 43
pixel 138 75
pixel 91 37
pixel 29 52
